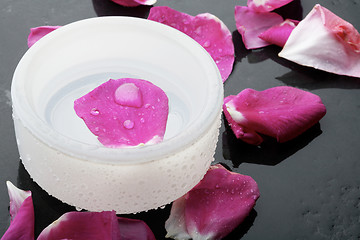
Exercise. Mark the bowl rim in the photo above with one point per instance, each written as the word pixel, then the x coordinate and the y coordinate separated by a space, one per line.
pixel 102 154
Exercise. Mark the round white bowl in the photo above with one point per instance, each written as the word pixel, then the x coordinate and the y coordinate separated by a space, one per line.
pixel 63 156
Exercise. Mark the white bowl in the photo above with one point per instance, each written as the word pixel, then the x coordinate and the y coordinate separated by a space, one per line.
pixel 63 156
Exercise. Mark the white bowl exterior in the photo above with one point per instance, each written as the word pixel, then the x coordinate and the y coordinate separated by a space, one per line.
pixel 97 178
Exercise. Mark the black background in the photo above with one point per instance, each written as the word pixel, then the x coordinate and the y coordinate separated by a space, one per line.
pixel 310 186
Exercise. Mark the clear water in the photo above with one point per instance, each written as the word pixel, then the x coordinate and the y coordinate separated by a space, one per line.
pixel 59 113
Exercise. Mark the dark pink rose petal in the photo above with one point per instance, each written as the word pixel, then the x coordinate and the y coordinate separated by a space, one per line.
pixel 22 215
pixel 324 41
pixel 96 225
pixel 206 29
pixel 266 5
pixel 245 134
pixel 134 3
pixel 125 112
pixel 214 207
pixel 280 33
pixel 251 24
pixel 280 112
pixel 82 225
pixel 38 32
pixel 133 229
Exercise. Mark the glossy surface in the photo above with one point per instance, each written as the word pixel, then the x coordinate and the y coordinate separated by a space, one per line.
pixel 309 187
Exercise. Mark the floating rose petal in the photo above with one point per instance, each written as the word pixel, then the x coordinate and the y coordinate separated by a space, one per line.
pixel 125 112
pixel 280 33
pixel 96 225
pixel 38 32
pixel 22 215
pixel 280 112
pixel 251 24
pixel 206 29
pixel 214 207
pixel 324 41
pixel 134 3
pixel 266 5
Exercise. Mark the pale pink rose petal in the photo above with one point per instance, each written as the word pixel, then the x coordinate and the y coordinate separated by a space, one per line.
pixel 251 24
pixel 38 32
pixel 22 215
pixel 266 5
pixel 280 112
pixel 214 207
pixel 324 41
pixel 17 198
pixel 134 3
pixel 206 29
pixel 280 33
pixel 125 112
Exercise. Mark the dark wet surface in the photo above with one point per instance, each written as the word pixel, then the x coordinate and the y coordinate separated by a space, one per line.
pixel 310 186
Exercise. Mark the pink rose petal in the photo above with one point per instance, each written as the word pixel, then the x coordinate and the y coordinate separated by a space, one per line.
pixel 280 33
pixel 22 215
pixel 324 41
pixel 251 24
pixel 96 225
pixel 266 5
pixel 133 229
pixel 241 132
pixel 280 112
pixel 214 207
pixel 17 198
pixel 134 3
pixel 38 32
pixel 125 112
pixel 206 29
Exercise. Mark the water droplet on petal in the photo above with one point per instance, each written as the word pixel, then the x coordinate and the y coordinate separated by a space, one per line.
pixel 142 120
pixel 207 44
pixel 128 94
pixel 94 112
pixel 128 124
pixel 198 30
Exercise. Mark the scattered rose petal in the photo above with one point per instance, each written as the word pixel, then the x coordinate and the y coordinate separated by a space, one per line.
pixel 96 225
pixel 125 112
pixel 280 33
pixel 241 132
pixel 133 229
pixel 22 215
pixel 38 32
pixel 251 24
pixel 266 5
pixel 134 3
pixel 324 41
pixel 206 29
pixel 280 112
pixel 214 207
